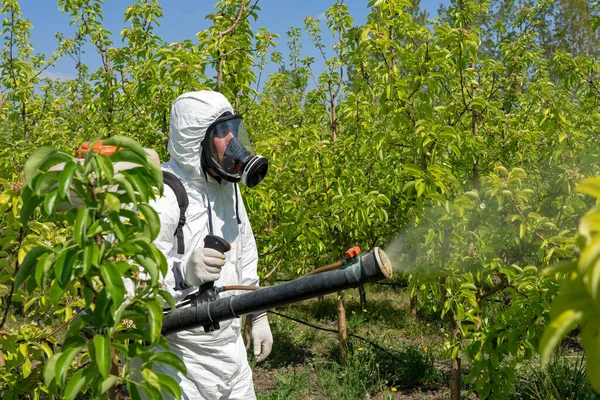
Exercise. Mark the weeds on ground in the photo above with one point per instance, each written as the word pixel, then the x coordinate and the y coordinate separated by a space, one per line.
pixel 305 361
pixel 563 379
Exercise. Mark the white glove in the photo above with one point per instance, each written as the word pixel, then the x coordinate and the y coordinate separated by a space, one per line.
pixel 204 266
pixel 261 337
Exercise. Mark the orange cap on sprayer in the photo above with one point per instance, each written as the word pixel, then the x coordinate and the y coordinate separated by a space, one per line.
pixel 352 252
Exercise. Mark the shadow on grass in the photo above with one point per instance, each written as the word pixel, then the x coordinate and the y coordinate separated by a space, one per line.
pixel 287 350
pixel 386 311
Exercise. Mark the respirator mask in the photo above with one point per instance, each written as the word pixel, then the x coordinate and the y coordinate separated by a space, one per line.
pixel 227 150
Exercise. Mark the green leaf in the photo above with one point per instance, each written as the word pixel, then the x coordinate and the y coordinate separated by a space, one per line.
pixel 91 257
pixel 56 292
pixel 155 319
pixel 108 383
pixel 101 354
pixel 468 286
pixel 41 159
pixel 64 181
pixel 113 282
pixel 28 264
pixel 26 367
pixel 30 203
pixel 125 185
pixel 472 194
pixel 113 201
pixel 592 281
pixel 150 266
pixel 97 228
pixel 151 378
pixel 130 216
pixel 63 364
pixel 170 384
pixel 151 216
pixel 151 392
pixel 103 301
pixel 590 186
pixel 50 201
pixel 170 359
pixel 80 228
pixel 590 255
pixel 117 226
pixel 125 143
pixel 43 181
pixel 133 390
pixel 106 166
pixel 76 384
pixel 167 297
pixel 560 267
pixel 136 177
pixel 556 330
pixel 50 370
pixel 522 228
pixel 590 339
pixel 63 267
pixel 44 265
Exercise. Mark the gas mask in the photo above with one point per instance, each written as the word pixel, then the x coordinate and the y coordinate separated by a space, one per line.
pixel 227 150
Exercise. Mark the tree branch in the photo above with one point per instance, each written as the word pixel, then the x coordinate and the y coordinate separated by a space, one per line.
pixel 235 23
pixel 267 276
pixel 12 286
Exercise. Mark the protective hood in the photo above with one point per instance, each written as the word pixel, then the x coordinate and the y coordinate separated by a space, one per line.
pixel 191 115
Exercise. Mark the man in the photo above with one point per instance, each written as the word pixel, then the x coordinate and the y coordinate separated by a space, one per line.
pixel 210 152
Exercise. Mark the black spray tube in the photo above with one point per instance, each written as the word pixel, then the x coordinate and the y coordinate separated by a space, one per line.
pixel 371 267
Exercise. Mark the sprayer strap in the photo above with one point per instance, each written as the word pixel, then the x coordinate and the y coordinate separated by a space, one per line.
pixel 210 223
pixel 237 212
pixel 174 183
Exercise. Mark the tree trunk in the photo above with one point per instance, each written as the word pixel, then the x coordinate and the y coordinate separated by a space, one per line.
pixel 24 117
pixel 114 392
pixel 414 299
pixel 456 382
pixel 476 163
pixel 333 119
pixel 413 305
pixel 220 66
pixel 342 333
pixel 363 297
pixel 456 372
pixel 475 134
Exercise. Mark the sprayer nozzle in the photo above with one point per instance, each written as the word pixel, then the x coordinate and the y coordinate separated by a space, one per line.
pixel 384 262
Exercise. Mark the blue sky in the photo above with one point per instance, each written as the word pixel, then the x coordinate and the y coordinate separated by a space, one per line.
pixel 183 19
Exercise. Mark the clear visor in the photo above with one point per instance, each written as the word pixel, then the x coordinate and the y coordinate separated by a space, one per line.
pixel 228 145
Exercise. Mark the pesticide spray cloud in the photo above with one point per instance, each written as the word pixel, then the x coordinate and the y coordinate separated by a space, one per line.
pixel 408 252
pixel 398 251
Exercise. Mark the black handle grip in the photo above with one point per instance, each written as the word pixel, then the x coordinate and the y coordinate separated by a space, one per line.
pixel 219 244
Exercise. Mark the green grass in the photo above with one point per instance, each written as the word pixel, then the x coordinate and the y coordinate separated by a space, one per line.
pixel 564 379
pixel 305 362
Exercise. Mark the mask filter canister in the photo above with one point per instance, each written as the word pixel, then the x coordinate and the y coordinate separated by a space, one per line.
pixel 254 170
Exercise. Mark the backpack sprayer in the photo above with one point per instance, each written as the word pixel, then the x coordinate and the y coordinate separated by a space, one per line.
pixel 204 307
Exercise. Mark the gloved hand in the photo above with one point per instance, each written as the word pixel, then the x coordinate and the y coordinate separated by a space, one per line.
pixel 261 337
pixel 204 266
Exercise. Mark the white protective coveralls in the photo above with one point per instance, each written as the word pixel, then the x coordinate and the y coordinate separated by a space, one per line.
pixel 217 367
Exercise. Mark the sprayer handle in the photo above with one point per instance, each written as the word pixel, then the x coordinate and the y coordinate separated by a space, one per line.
pixel 219 244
